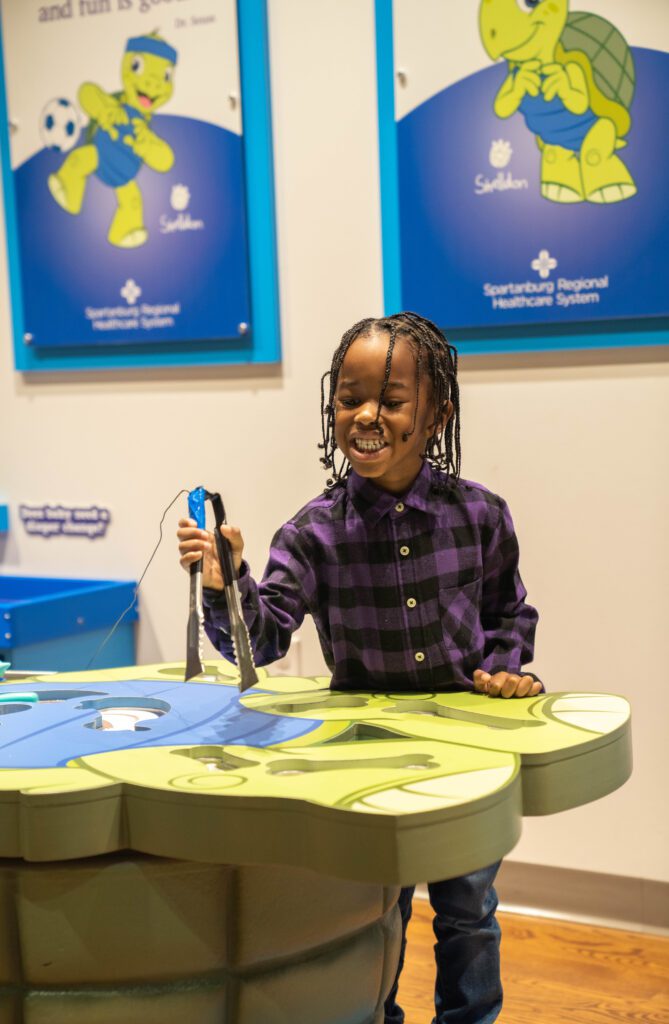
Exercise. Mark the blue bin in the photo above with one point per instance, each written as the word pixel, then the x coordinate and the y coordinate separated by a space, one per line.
pixel 58 624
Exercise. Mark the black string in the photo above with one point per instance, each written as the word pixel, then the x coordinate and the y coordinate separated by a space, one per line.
pixel 136 591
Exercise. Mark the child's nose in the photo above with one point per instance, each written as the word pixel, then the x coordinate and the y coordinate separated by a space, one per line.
pixel 366 413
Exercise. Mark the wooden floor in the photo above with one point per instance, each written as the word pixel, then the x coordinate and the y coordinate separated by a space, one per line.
pixel 555 973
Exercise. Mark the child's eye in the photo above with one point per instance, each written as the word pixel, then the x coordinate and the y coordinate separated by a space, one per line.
pixel 392 403
pixel 348 403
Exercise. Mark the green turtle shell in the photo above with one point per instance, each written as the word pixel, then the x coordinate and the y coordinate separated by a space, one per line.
pixel 607 52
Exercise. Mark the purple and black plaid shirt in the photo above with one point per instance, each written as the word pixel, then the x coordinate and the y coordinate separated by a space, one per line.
pixel 410 593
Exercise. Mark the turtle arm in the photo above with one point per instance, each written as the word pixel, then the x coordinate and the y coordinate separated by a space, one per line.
pixel 154 151
pixel 568 83
pixel 161 155
pixel 95 101
pixel 577 99
pixel 508 98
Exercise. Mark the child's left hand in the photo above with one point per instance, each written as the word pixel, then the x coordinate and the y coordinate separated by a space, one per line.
pixel 505 684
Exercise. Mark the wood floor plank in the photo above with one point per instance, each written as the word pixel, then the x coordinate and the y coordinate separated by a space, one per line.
pixel 554 972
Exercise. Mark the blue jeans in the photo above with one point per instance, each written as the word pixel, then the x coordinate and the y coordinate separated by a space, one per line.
pixel 468 988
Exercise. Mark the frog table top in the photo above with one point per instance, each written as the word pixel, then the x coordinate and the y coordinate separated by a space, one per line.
pixel 395 788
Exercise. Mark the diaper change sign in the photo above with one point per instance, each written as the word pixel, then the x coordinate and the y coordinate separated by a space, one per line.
pixel 529 141
pixel 128 171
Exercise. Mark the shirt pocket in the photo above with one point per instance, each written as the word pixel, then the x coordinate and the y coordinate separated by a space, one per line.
pixel 460 612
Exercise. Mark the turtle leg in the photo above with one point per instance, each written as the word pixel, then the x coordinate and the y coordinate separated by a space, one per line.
pixel 67 186
pixel 127 227
pixel 560 175
pixel 605 177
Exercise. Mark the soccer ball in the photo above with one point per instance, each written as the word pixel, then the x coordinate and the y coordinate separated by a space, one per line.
pixel 59 125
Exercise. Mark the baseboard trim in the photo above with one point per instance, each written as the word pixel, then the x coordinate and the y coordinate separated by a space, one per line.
pixel 589 897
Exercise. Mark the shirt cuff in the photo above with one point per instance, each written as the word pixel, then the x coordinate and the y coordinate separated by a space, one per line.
pixel 212 598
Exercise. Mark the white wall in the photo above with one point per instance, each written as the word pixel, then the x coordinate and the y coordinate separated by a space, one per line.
pixel 576 443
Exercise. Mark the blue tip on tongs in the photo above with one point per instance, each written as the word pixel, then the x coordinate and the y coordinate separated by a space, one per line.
pixel 18 698
pixel 194 666
pixel 239 633
pixel 196 500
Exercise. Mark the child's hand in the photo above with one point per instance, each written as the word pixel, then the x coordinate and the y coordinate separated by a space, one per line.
pixel 195 544
pixel 505 684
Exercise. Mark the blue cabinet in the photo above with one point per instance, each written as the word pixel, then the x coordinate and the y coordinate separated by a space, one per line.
pixel 58 624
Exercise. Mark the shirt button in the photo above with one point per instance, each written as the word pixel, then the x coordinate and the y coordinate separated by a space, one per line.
pixel 419 656
pixel 399 507
pixel 404 550
pixel 411 602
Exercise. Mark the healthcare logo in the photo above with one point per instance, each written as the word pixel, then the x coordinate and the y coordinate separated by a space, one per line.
pixel 544 263
pixel 130 291
pixel 546 292
pixel 134 316
pixel 119 140
pixel 572 78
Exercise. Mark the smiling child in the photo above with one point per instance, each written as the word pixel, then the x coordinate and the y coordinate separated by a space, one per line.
pixel 411 577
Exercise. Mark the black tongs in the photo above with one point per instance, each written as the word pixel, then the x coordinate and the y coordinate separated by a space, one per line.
pixel 241 642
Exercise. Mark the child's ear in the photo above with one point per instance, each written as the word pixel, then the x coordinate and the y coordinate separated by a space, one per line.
pixel 446 413
pixel 441 421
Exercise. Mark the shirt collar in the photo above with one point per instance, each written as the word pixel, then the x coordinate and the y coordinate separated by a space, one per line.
pixel 373 502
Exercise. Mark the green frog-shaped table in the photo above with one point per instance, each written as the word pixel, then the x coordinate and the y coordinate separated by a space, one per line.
pixel 178 852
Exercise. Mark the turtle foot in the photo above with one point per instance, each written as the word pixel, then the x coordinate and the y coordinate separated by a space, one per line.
pixel 59 193
pixel 132 239
pixel 68 184
pixel 560 176
pixel 612 193
pixel 560 193
pixel 127 229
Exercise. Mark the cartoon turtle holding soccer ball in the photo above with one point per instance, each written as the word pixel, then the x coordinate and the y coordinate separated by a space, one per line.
pixel 571 76
pixel 119 140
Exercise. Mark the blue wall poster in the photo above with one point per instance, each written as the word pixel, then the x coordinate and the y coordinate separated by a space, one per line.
pixel 524 179
pixel 128 171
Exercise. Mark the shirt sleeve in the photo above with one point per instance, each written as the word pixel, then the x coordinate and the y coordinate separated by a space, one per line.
pixel 508 622
pixel 273 608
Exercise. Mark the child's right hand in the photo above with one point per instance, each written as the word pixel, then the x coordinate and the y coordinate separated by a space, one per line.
pixel 195 544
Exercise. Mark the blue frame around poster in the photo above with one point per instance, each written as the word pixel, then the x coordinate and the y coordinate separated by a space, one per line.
pixel 263 342
pixel 475 340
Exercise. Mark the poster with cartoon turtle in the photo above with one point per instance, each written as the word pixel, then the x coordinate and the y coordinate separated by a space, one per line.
pixel 529 154
pixel 128 171
pixel 119 139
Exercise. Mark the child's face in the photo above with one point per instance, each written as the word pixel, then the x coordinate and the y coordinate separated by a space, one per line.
pixel 384 457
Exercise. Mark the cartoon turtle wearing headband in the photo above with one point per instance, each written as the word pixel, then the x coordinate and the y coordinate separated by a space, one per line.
pixel 571 76
pixel 119 139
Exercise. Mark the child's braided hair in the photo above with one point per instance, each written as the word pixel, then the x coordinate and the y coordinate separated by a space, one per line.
pixel 434 355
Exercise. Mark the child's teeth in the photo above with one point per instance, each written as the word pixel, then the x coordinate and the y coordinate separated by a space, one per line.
pixel 369 446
